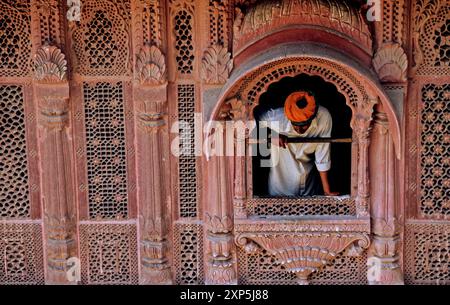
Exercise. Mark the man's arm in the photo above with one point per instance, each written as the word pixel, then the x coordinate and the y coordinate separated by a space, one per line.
pixel 326 184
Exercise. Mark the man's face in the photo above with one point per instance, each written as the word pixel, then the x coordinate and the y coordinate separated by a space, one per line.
pixel 301 129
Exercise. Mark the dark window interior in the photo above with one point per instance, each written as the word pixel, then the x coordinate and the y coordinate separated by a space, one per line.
pixel 326 95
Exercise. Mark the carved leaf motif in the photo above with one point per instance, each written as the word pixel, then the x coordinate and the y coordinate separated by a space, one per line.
pixel 152 228
pixel 216 65
pixel 390 62
pixel 50 64
pixel 151 66
pixel 218 224
pixel 304 253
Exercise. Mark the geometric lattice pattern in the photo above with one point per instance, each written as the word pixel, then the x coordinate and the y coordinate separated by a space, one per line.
pixel 108 254
pixel 435 148
pixel 21 254
pixel 101 41
pixel 15 42
pixel 298 207
pixel 427 254
pixel 105 150
pixel 184 42
pixel 255 84
pixel 14 195
pixel 218 22
pixel 434 36
pixel 188 254
pixel 187 160
pixel 261 268
pixel 442 44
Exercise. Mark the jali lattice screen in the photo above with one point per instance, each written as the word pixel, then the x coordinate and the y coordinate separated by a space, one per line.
pixel 434 153
pixel 187 159
pixel 14 196
pixel 105 150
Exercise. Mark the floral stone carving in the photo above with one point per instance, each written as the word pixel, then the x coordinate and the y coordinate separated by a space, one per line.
pixel 303 253
pixel 216 65
pixel 390 62
pixel 50 65
pixel 151 66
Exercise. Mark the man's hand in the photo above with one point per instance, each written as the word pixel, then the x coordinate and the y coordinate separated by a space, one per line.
pixel 331 193
pixel 282 141
pixel 326 185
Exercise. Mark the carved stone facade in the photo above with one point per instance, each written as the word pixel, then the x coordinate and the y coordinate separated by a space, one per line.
pixel 105 107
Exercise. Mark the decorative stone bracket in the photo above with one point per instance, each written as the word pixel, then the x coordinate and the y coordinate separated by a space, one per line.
pixel 303 253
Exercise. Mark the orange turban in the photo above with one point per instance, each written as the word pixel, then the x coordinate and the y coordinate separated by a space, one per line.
pixel 300 107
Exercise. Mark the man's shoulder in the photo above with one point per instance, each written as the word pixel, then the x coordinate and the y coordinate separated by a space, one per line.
pixel 324 120
pixel 323 112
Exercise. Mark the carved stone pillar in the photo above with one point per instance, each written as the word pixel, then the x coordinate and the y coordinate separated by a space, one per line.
pixel 220 249
pixel 52 95
pixel 153 179
pixel 361 126
pixel 240 189
pixel 384 252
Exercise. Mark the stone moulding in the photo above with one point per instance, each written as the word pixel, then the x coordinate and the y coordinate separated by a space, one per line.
pixel 303 253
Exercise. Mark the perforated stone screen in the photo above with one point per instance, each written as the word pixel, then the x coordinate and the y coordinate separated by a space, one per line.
pixel 105 150
pixel 14 193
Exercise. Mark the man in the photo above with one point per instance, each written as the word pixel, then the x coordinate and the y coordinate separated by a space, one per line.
pixel 293 174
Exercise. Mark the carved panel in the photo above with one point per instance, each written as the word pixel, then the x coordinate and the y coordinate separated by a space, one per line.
pixel 188 253
pixel 261 268
pixel 297 207
pixel 106 150
pixel 431 37
pixel 427 253
pixel 219 22
pixel 182 13
pixel 269 16
pixel 109 254
pixel 22 255
pixel 15 34
pixel 149 22
pixel 187 161
pixel 393 29
pixel 434 156
pixel 101 40
pixel 50 23
pixel 305 253
pixel 14 189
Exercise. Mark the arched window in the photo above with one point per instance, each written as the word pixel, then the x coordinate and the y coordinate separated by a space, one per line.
pixel 327 96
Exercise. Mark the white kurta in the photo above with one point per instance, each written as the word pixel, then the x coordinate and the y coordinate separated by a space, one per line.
pixel 292 165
